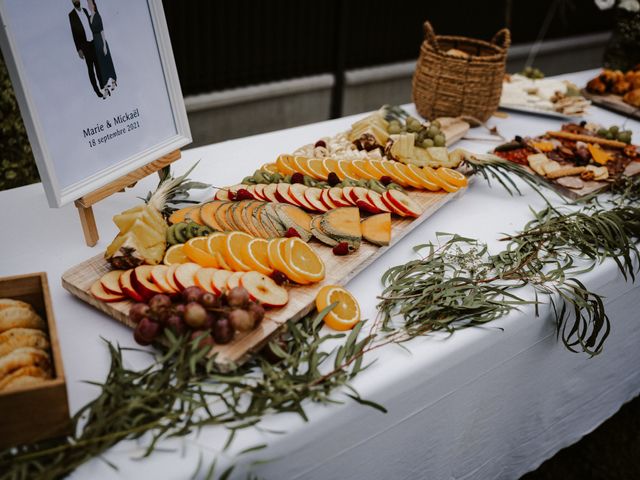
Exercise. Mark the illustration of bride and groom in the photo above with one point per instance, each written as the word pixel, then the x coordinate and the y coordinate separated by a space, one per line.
pixel 92 47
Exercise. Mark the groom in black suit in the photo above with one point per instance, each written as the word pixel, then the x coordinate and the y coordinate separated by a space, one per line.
pixel 83 38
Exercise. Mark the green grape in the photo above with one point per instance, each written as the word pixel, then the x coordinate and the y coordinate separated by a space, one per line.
pixel 625 136
pixel 394 129
pixel 428 143
pixel 602 132
pixel 439 140
pixel 609 135
pixel 433 131
pixel 614 129
pixel 436 123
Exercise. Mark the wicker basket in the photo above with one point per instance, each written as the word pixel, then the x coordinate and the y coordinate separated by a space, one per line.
pixel 454 84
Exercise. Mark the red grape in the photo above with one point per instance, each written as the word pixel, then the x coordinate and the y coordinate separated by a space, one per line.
pixel 241 320
pixel 223 332
pixel 257 312
pixel 138 311
pixel 209 300
pixel 146 331
pixel 178 309
pixel 176 324
pixel 195 315
pixel 192 294
pixel 159 303
pixel 237 297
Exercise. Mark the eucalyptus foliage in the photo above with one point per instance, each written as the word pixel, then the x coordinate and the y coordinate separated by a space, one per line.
pixel 181 391
pixel 460 284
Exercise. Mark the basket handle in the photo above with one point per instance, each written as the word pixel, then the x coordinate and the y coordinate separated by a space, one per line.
pixel 502 38
pixel 430 35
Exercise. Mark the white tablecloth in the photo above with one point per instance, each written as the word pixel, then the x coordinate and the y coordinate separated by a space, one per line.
pixel 489 402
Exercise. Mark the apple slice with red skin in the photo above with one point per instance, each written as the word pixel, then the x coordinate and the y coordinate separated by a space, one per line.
pixel 234 280
pixel 143 283
pixel 264 290
pixel 283 196
pixel 251 189
pixel 403 202
pixel 111 282
pixel 170 276
pixel 204 279
pixel 296 192
pixel 376 199
pixel 126 284
pixel 326 201
pixel 221 194
pixel 219 281
pixel 185 275
pixel 99 292
pixel 159 277
pixel 269 192
pixel 392 208
pixel 312 195
pixel 359 195
pixel 258 192
pixel 335 195
pixel 346 195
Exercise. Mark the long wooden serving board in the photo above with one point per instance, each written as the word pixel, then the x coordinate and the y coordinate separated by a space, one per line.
pixel 339 270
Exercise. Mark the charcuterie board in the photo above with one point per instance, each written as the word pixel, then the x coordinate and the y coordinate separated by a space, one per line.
pixel 339 270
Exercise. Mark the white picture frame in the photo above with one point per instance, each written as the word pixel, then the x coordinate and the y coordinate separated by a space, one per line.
pixel 57 193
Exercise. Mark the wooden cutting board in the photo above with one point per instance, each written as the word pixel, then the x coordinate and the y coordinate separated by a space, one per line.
pixel 339 270
pixel 613 102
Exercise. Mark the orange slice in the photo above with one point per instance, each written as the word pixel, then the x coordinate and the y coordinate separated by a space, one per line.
pixel 180 215
pixel 275 250
pixel 300 164
pixel 402 169
pixel 283 163
pixel 389 167
pixel 432 176
pixel 270 167
pixel 330 165
pixel 345 170
pixel 452 177
pixel 417 174
pixel 175 255
pixel 346 314
pixel 374 168
pixel 317 167
pixel 198 252
pixel 303 260
pixel 358 166
pixel 235 251
pixel 258 256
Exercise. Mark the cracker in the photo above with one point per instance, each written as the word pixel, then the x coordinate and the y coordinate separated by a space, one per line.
pixel 566 171
pixel 10 302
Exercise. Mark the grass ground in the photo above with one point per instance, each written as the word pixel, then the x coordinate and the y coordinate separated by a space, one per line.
pixel 611 452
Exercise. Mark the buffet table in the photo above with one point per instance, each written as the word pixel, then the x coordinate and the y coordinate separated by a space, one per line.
pixel 491 402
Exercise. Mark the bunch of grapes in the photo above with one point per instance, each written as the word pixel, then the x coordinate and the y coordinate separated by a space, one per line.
pixel 426 135
pixel 211 318
pixel 615 133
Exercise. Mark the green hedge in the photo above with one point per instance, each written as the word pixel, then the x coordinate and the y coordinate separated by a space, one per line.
pixel 17 166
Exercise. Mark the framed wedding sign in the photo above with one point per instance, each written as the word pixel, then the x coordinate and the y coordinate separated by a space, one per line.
pixel 97 87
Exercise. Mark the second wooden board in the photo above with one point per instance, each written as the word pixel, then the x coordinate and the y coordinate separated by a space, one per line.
pixel 339 270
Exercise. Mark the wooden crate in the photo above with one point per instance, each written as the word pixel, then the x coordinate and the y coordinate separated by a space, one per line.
pixel 39 412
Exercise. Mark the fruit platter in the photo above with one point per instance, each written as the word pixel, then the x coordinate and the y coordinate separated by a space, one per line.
pixel 531 93
pixel 577 160
pixel 234 268
pixel 616 90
